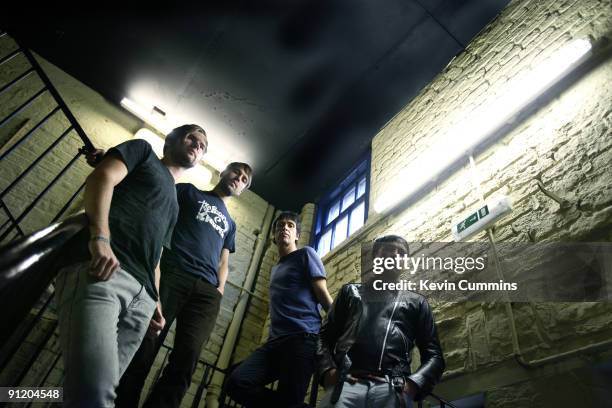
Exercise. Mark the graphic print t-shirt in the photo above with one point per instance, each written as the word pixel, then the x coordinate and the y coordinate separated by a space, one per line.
pixel 203 229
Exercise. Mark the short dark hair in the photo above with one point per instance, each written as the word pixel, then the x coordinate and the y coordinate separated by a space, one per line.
pixel 181 131
pixel 381 241
pixel 241 166
pixel 288 215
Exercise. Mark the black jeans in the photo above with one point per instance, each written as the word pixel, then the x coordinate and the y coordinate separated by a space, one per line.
pixel 195 304
pixel 288 359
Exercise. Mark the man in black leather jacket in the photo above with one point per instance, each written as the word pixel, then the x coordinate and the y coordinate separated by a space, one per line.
pixel 364 348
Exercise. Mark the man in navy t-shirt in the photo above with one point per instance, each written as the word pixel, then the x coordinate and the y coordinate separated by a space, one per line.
pixel 297 287
pixel 194 272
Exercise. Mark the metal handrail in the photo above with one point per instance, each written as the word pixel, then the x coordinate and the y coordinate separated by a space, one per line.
pixel 443 403
pixel 58 99
pixel 27 267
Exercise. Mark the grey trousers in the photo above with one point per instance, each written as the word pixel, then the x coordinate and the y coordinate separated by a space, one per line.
pixel 364 394
pixel 102 324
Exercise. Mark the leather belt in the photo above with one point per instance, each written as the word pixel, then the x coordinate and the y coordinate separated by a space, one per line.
pixel 364 375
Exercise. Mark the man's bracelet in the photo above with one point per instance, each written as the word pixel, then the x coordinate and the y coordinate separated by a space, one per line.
pixel 100 238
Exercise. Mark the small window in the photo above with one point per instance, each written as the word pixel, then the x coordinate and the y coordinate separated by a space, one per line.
pixel 357 218
pixel 325 243
pixel 343 210
pixel 340 231
pixel 349 198
pixel 333 212
pixel 361 188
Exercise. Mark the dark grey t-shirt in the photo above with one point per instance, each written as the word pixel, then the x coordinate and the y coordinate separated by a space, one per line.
pixel 143 211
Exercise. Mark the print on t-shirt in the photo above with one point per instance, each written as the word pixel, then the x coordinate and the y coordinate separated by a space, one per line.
pixel 210 214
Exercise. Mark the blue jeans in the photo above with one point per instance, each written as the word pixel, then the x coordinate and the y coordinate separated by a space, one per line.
pixel 102 324
pixel 364 394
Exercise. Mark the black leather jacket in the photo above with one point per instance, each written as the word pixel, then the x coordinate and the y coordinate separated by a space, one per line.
pixel 379 334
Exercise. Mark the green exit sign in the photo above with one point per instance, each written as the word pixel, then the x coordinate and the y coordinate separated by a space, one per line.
pixel 472 218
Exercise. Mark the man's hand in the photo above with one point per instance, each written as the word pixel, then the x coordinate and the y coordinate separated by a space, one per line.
pixel 223 270
pixel 330 378
pixel 410 389
pixel 157 321
pixel 93 157
pixel 103 261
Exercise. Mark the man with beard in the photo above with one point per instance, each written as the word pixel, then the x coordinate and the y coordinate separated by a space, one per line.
pixel 194 272
pixel 108 293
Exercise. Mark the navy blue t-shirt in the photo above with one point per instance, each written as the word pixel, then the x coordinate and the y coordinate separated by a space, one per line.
pixel 203 229
pixel 293 304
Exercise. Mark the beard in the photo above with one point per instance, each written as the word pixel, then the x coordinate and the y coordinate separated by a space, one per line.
pixel 225 187
pixel 180 157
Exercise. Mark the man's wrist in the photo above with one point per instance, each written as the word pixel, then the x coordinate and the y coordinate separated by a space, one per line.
pixel 102 238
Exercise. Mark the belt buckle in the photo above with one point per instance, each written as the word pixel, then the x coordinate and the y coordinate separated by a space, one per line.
pixel 398 383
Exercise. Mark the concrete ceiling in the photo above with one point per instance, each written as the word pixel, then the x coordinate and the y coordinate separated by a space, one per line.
pixel 296 88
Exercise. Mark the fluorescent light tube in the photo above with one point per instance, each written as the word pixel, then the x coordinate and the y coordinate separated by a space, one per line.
pixel 475 129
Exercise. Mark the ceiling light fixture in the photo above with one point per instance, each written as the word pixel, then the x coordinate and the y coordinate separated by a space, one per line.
pixel 154 117
pixel 164 123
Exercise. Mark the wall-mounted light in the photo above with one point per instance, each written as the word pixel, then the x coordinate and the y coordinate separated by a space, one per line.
pixel 475 129
pixel 154 117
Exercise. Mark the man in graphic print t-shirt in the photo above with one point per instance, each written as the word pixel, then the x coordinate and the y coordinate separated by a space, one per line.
pixel 194 272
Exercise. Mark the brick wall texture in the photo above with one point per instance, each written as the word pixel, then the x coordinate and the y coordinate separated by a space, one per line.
pixel 566 144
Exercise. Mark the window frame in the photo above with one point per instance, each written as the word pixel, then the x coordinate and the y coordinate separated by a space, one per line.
pixel 336 195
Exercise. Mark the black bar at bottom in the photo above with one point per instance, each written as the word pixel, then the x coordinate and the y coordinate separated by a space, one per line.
pixel 25 137
pixel 12 219
pixel 10 56
pixel 35 162
pixel 14 81
pixel 65 207
pixel 22 107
